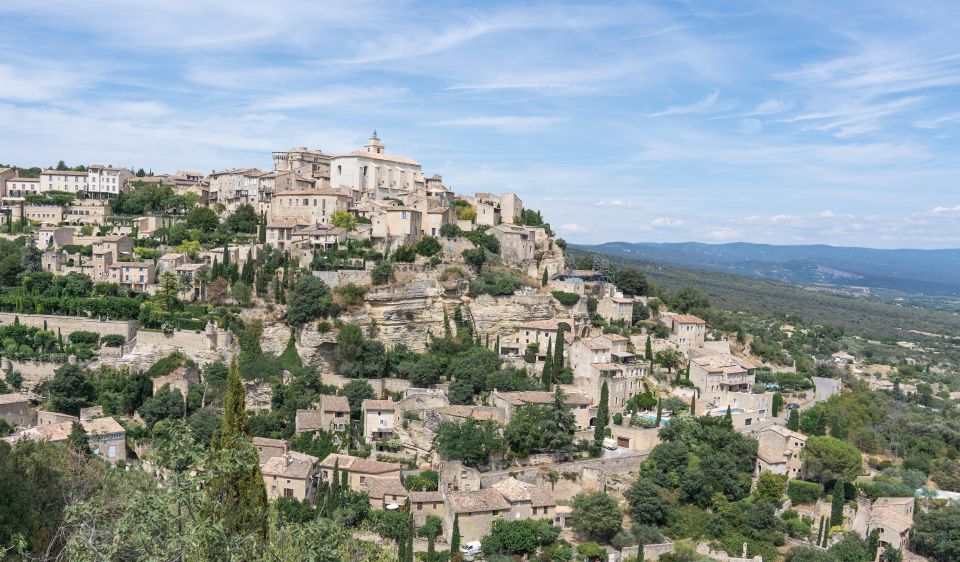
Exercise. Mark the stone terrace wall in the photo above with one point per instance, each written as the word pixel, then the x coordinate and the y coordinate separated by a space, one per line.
pixel 533 474
pixel 178 339
pixel 68 324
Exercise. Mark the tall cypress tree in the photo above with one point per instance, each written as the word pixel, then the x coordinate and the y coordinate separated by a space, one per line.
pixel 496 346
pixel 728 417
pixel 236 490
pixel 836 506
pixel 648 349
pixel 603 416
pixel 455 537
pixel 558 352
pixel 793 421
pixel 546 377
pixel 543 282
pixel 693 405
pixel 263 227
pixel 659 411
pixel 335 486
pixel 447 332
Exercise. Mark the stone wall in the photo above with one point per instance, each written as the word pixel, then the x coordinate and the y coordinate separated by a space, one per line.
pixel 336 278
pixel 34 372
pixel 177 340
pixel 68 324
pixel 536 474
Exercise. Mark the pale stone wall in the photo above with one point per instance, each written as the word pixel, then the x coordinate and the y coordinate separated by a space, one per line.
pixel 68 324
pixel 34 372
pixel 178 339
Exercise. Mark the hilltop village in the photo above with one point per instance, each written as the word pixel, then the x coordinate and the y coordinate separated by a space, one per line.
pixel 345 347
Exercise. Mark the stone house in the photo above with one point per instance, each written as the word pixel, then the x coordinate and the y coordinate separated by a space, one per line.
pixel 510 401
pixel 686 331
pixel 268 448
pixel 507 500
pixel 891 517
pixel 722 373
pixel 331 414
pixel 400 222
pixel 540 332
pixel 358 470
pixel 54 237
pixel 517 246
pixel 638 439
pixel 314 206
pixel 602 359
pixel 15 410
pixel 425 504
pixel 379 418
pixel 292 475
pixel 616 309
pixel 436 218
pixel 779 451
pixel 136 276
pixel 456 477
pixel 383 492
pixel 106 438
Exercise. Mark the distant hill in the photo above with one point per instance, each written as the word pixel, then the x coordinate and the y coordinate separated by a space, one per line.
pixel 877 316
pixel 932 272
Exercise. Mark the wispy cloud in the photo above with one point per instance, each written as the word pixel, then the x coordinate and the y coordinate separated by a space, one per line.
pixel 708 104
pixel 506 123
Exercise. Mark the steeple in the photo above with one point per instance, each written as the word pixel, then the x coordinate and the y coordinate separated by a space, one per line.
pixel 374 146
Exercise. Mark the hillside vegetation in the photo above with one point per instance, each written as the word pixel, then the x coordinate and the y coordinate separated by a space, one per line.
pixel 872 317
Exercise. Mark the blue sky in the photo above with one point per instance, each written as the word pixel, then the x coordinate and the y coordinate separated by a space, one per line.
pixel 767 121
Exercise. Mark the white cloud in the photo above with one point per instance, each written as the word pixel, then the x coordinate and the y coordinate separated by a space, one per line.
pixel 946 210
pixel 507 123
pixel 663 222
pixel 938 121
pixel 572 227
pixel 332 96
pixel 706 105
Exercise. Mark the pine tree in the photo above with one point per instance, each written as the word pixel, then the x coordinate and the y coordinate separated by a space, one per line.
pixel 648 349
pixel 455 537
pixel 793 421
pixel 603 416
pixel 546 377
pixel 659 411
pixel 836 506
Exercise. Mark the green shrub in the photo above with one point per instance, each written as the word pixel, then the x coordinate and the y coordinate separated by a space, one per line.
pixel 803 492
pixel 404 254
pixel 428 246
pixel 495 283
pixel 565 298
pixel 112 340
pixel 81 336
pixel 382 273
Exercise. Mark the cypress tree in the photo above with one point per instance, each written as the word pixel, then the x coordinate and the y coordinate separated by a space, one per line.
pixel 793 421
pixel 659 411
pixel 496 346
pixel 558 361
pixel 447 332
pixel 226 254
pixel 687 376
pixel 455 537
pixel 344 486
pixel 777 404
pixel 543 282
pixel 236 492
pixel 263 227
pixel 728 417
pixel 603 415
pixel 335 486
pixel 77 440
pixel 546 377
pixel 487 341
pixel 648 349
pixel 836 506
pixel 693 405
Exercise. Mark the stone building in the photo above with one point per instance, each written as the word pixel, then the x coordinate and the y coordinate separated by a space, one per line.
pixel 15 410
pixel 373 170
pixel 379 417
pixel 268 448
pixel 292 475
pixel 507 500
pixel 605 358
pixel 331 414
pixel 358 470
pixel 779 451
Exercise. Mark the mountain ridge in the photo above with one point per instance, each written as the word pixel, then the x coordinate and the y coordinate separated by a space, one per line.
pixel 933 272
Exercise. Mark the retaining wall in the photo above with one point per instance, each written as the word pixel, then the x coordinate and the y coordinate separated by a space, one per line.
pixel 68 324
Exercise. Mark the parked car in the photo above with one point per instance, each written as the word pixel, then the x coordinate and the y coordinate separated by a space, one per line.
pixel 471 550
pixel 793 406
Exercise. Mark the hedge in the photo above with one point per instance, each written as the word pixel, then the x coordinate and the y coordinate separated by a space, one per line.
pixel 803 492
pixel 112 340
pixel 81 336
pixel 565 298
